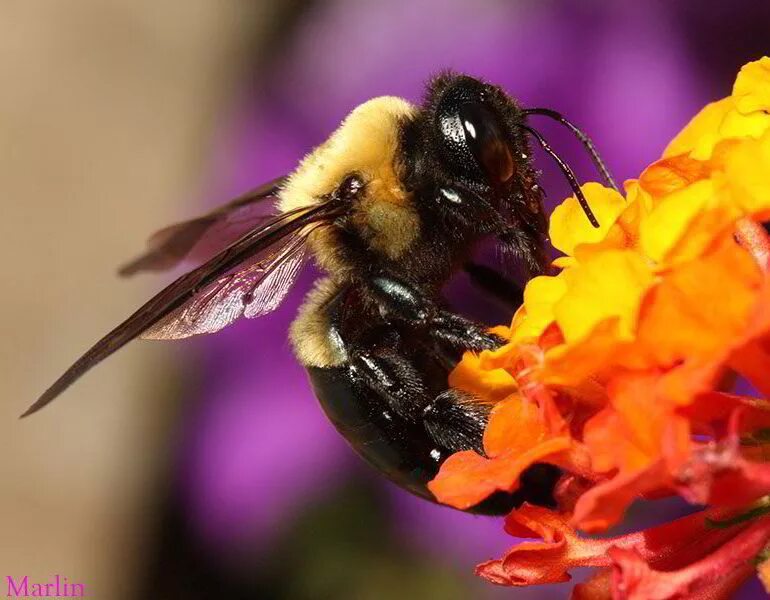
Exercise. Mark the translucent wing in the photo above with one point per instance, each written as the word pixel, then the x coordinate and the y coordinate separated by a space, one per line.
pixel 257 269
pixel 199 239
pixel 252 290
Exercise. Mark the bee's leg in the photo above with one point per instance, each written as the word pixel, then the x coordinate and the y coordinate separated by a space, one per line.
pixel 452 420
pixel 462 334
pixel 392 377
pixel 456 420
pixel 399 301
pixel 375 360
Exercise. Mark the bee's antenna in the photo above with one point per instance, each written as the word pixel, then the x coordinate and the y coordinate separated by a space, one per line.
pixel 584 139
pixel 568 173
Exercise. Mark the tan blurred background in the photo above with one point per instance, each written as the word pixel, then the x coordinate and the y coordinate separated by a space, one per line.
pixel 106 113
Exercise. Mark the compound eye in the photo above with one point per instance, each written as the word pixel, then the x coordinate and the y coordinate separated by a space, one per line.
pixel 486 141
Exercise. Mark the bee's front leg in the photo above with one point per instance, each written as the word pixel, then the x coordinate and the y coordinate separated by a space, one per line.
pixel 398 301
pixel 460 333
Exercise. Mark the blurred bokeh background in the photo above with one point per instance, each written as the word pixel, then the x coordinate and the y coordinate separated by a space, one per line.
pixel 205 469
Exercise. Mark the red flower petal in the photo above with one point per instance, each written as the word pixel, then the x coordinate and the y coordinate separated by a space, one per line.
pixel 598 587
pixel 604 505
pixel 670 546
pixel 717 575
pixel 543 562
pixel 717 474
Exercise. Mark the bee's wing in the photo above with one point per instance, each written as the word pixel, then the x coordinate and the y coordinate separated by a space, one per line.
pixel 253 289
pixel 249 277
pixel 198 239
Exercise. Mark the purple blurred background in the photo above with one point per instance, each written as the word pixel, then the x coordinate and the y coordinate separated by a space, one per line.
pixel 255 451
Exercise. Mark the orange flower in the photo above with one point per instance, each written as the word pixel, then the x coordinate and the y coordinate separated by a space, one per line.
pixel 523 429
pixel 618 369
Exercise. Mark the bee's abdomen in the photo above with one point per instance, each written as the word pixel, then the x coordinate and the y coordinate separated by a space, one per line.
pixel 400 450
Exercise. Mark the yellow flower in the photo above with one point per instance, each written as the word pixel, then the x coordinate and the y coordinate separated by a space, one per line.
pixel 664 229
pixel 695 201
pixel 537 313
pixel 744 176
pixel 569 227
pixel 751 91
pixel 608 285
pixel 744 114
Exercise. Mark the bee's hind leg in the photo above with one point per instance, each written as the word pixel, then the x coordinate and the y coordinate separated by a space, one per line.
pixel 402 303
pixel 392 377
pixel 456 420
pixel 451 421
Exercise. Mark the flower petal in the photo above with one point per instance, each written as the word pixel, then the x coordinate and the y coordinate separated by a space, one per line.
pixel 569 226
pixel 716 576
pixel 690 217
pixel 540 296
pixel 670 546
pixel 548 561
pixel 606 285
pixel 752 87
pixel 745 176
pixel 603 505
pixel 466 478
pixel 597 587
pixel 746 114
pixel 686 318
pixel 717 474
pixel 702 133
pixel 489 384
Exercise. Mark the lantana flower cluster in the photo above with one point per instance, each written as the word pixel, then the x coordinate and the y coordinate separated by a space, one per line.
pixel 642 370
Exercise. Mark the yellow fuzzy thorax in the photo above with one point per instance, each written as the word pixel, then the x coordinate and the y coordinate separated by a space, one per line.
pixel 366 143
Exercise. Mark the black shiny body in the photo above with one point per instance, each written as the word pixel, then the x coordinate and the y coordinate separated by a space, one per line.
pixel 397 448
pixel 465 164
pixel 390 400
pixel 402 451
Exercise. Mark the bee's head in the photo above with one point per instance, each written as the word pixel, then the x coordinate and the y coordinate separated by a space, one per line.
pixel 469 163
pixel 476 129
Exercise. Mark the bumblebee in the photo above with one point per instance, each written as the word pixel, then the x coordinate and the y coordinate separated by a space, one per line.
pixel 390 207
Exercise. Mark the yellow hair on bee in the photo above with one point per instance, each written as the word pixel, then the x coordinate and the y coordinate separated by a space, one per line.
pixel 309 333
pixel 366 144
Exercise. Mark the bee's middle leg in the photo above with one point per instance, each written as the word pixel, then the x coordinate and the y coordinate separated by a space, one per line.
pixel 389 359
pixel 453 419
